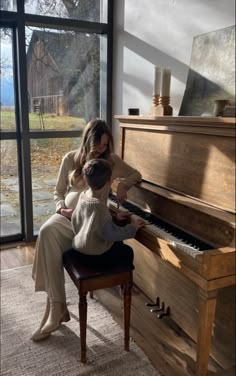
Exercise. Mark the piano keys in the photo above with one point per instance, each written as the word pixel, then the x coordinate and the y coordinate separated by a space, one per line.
pixel 175 237
pixel 186 253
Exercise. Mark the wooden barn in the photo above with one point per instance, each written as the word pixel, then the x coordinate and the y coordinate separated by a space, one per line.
pixel 58 75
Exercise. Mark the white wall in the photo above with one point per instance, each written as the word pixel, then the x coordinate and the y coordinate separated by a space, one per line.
pixel 158 32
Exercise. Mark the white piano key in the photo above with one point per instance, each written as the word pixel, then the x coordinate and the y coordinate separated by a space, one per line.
pixel 179 244
pixel 185 248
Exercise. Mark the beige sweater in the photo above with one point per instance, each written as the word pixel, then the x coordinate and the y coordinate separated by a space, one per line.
pixel 66 196
pixel 94 229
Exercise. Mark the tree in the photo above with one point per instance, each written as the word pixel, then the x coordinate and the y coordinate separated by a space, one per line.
pixel 80 63
pixel 8 5
pixel 88 10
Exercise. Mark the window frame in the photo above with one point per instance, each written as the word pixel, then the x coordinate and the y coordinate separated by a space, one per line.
pixel 17 21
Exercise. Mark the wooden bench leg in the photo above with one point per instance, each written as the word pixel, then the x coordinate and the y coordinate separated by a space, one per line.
pixel 83 324
pixel 127 308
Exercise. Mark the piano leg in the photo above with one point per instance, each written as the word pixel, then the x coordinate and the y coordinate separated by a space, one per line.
pixel 207 306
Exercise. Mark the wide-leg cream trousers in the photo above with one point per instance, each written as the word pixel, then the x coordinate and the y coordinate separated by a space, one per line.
pixel 55 237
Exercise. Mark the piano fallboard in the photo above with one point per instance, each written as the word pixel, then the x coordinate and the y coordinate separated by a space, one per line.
pixel 202 266
pixel 189 155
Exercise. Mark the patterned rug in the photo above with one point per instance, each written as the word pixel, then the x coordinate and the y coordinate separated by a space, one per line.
pixel 21 312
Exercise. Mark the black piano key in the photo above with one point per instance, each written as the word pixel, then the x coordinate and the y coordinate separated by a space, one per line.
pixel 165 226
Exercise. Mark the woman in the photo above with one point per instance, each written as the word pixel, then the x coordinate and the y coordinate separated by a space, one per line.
pixel 55 236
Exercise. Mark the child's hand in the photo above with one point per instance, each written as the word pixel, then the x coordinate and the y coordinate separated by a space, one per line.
pixel 137 222
pixel 123 216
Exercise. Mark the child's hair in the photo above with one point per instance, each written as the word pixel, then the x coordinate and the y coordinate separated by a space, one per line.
pixel 97 173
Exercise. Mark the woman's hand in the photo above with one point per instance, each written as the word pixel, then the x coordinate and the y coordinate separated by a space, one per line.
pixel 121 193
pixel 66 213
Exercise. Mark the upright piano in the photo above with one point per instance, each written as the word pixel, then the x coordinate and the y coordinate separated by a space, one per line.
pixel 185 255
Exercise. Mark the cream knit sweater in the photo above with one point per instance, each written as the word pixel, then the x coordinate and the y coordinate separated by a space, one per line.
pixel 66 196
pixel 94 229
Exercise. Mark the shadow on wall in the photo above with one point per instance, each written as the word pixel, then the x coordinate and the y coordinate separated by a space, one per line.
pixel 147 52
pixel 200 85
pixel 211 51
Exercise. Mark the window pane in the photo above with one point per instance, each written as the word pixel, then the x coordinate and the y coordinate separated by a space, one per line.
pixel 8 5
pixel 85 10
pixel 46 156
pixel 10 214
pixel 7 100
pixel 63 78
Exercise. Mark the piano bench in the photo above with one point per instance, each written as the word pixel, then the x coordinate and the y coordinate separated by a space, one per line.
pixel 88 279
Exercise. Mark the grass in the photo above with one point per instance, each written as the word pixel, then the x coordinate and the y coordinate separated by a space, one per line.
pixel 44 122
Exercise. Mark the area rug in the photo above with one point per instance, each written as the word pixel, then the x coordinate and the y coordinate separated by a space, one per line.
pixel 21 312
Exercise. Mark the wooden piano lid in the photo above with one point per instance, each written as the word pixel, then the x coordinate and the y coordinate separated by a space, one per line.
pixel 194 156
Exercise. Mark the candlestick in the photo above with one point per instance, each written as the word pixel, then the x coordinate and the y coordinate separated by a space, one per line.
pixel 157 81
pixel 164 108
pixel 166 78
pixel 155 103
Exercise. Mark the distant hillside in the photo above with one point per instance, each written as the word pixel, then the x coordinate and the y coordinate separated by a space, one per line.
pixel 7 91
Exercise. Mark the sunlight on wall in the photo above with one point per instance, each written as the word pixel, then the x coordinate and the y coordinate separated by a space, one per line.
pixel 136 83
pixel 228 176
pixel 159 33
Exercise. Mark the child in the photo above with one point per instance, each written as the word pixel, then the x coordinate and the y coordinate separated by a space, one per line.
pixel 97 238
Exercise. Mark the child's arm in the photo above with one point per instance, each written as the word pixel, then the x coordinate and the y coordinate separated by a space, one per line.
pixel 121 218
pixel 112 232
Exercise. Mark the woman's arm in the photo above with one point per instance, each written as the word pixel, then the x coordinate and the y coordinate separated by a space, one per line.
pixel 62 184
pixel 127 175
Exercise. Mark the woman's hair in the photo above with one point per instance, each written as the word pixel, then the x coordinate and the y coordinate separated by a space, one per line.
pixel 92 135
pixel 97 173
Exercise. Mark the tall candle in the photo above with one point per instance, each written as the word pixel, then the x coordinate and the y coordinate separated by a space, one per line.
pixel 157 81
pixel 166 78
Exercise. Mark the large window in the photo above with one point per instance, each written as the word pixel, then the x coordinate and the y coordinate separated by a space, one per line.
pixel 55 77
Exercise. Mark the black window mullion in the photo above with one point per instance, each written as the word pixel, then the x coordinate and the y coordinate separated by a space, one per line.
pixel 55 134
pixel 109 61
pixel 66 24
pixel 18 135
pixel 23 128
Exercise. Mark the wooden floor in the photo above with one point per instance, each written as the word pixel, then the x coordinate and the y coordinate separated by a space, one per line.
pixel 169 349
